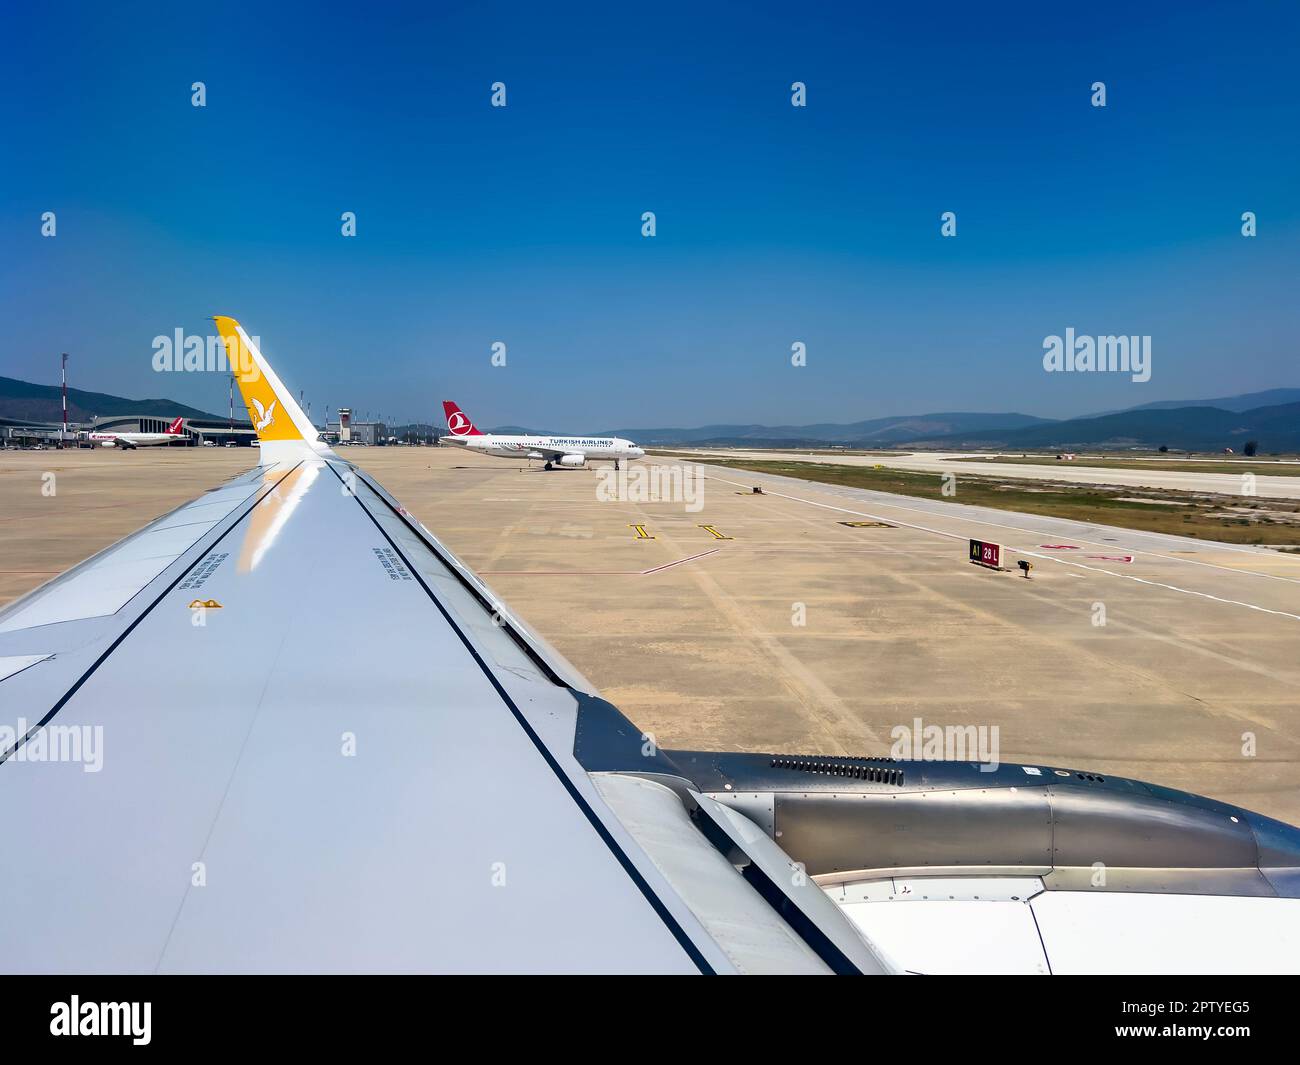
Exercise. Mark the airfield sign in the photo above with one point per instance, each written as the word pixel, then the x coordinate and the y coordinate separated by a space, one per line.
pixel 986 554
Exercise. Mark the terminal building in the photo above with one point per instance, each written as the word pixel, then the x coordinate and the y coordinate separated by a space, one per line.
pixel 17 432
pixel 372 434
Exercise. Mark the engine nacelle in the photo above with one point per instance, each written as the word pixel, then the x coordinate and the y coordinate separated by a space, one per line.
pixel 573 460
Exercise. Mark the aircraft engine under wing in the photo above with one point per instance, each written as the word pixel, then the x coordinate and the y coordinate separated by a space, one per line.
pixel 432 788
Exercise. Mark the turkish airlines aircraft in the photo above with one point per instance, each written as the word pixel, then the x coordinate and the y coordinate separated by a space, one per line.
pixel 567 451
pixel 233 826
pixel 172 433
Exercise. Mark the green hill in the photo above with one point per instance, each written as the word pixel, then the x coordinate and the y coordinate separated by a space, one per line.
pixel 25 401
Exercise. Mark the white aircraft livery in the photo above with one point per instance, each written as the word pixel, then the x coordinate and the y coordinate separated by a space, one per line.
pixel 171 434
pixel 564 451
pixel 432 788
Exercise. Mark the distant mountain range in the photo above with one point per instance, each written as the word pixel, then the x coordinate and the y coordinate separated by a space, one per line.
pixel 1272 397
pixel 1271 417
pixel 24 401
pixel 1275 429
pixel 879 432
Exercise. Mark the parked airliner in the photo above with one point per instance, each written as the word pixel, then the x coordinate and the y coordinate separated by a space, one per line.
pixel 567 451
pixel 172 433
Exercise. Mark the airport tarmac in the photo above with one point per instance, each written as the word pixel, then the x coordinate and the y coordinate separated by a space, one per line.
pixel 59 507
pixel 966 462
pixel 763 623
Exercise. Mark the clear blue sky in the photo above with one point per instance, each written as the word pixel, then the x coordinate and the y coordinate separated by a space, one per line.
pixel 775 224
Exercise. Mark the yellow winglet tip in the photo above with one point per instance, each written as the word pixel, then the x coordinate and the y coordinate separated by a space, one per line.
pixel 271 408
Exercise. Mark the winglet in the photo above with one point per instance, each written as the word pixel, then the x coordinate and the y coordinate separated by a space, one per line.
pixel 275 414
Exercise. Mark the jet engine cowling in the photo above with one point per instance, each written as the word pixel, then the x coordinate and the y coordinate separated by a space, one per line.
pixel 574 461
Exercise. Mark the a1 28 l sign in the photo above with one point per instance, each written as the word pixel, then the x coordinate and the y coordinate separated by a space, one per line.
pixel 985 554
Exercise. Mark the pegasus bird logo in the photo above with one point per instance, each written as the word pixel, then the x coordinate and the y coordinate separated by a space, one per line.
pixel 265 415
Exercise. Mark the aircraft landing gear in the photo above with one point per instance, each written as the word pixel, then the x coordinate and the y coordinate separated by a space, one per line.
pixel 616 464
pixel 547 466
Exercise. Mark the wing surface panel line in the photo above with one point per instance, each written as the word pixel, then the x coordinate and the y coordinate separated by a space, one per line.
pixel 221 803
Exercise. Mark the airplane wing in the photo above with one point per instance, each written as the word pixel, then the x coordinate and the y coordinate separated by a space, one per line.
pixel 540 452
pixel 283 729
pixel 324 746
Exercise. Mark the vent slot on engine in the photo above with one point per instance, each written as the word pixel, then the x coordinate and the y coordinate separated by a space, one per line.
pixel 872 770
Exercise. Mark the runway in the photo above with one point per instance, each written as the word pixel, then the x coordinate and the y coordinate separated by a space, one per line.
pixel 1271 486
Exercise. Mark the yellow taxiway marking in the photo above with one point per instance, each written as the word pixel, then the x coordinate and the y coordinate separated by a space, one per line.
pixel 641 534
pixel 714 532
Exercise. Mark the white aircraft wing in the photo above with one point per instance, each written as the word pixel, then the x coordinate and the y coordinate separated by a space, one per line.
pixel 543 452
pixel 282 729
pixel 323 747
pixel 344 766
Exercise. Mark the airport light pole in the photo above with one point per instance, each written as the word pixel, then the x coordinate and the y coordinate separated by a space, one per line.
pixel 64 435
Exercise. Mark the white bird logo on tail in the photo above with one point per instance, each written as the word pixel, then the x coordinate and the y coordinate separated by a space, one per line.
pixel 265 415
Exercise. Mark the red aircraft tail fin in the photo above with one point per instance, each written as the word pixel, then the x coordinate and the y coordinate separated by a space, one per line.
pixel 458 423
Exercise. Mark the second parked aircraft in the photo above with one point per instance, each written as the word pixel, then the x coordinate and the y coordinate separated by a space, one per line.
pixel 566 451
pixel 174 433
